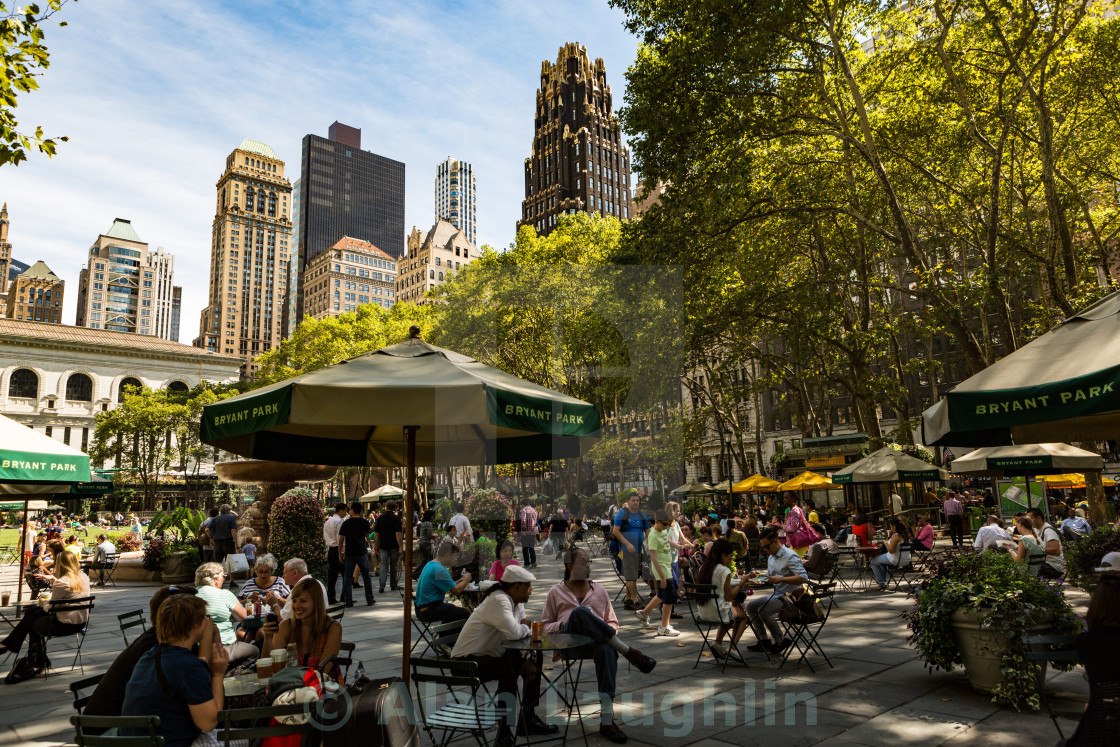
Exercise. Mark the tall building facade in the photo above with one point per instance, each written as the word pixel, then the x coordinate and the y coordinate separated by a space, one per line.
pixel 455 197
pixel 292 307
pixel 432 259
pixel 249 254
pixel 352 273
pixel 36 295
pixel 578 162
pixel 5 257
pixel 124 284
pixel 345 191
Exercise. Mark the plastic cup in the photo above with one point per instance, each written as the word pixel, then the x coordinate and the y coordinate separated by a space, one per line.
pixel 264 668
pixel 5 597
pixel 279 657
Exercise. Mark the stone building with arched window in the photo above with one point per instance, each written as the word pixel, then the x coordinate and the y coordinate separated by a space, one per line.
pixel 56 378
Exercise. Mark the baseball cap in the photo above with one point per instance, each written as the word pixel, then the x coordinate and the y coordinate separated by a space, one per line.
pixel 1110 563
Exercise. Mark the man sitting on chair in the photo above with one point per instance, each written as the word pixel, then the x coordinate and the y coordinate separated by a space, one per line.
pixel 580 606
pixel 785 571
pixel 434 584
pixel 105 548
pixel 500 618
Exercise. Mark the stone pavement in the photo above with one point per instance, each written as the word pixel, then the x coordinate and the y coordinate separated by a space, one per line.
pixel 877 693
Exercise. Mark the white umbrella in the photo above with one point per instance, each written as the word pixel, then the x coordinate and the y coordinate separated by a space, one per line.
pixel 385 491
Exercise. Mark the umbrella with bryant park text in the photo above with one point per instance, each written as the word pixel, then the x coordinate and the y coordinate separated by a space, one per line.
pixel 404 405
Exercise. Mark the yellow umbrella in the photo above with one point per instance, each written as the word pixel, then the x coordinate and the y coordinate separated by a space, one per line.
pixel 755 484
pixel 1070 480
pixel 808 481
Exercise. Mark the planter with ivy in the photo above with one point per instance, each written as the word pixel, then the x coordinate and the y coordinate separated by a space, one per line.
pixel 174 561
pixel 974 610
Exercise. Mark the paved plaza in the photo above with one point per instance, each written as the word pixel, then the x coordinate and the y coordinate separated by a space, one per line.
pixel 878 693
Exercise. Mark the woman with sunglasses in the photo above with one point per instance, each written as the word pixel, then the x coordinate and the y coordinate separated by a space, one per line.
pixel 580 606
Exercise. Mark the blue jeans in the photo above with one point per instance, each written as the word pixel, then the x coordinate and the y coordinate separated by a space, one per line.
pixel 583 621
pixel 389 566
pixel 879 565
pixel 362 562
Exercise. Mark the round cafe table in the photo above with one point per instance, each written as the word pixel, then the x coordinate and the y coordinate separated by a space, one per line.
pixel 563 684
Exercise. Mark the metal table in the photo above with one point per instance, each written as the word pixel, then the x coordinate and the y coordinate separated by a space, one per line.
pixel 557 642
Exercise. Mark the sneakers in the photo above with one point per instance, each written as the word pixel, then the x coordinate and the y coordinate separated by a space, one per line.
pixel 718 650
pixel 667 630
pixel 613 733
pixel 629 604
pixel 643 619
pixel 760 647
pixel 644 663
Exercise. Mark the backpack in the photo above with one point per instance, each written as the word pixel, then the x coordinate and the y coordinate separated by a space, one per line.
pixel 801 606
pixel 615 547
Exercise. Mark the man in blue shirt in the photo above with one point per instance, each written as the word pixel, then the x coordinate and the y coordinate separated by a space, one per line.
pixel 785 570
pixel 435 582
pixel 1077 522
pixel 185 691
pixel 630 528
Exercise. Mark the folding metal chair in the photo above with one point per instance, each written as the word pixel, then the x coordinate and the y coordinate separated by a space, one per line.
pixel 76 688
pixel 230 722
pixel 102 723
pixel 462 709
pixel 74 604
pixel 698 595
pixel 898 573
pixel 336 611
pixel 1055 648
pixel 131 620
pixel 803 634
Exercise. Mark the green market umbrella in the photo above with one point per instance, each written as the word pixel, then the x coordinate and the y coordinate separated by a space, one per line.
pixel 403 405
pixel 692 487
pixel 888 465
pixel 33 463
pixel 1064 386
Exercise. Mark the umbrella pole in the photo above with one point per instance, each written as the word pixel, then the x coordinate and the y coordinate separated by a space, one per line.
pixel 23 555
pixel 409 508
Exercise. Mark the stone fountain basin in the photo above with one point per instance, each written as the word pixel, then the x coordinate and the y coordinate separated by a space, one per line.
pixel 257 472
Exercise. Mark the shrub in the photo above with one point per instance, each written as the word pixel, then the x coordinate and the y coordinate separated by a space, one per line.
pixel 153 555
pixel 490 511
pixel 1008 597
pixel 124 541
pixel 295 525
pixel 1082 557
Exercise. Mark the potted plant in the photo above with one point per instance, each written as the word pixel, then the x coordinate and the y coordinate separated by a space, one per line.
pixel 975 609
pixel 1082 557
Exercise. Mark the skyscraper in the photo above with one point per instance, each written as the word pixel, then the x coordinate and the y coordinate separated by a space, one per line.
pixel 124 285
pixel 345 191
pixel 578 161
pixel 249 253
pixel 455 192
pixel 5 256
pixel 353 273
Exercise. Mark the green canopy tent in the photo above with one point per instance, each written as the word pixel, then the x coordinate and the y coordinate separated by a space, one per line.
pixel 33 463
pixel 403 405
pixel 888 465
pixel 692 487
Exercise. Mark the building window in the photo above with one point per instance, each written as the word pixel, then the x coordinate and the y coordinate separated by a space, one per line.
pixel 79 388
pixel 177 386
pixel 24 383
pixel 249 200
pixel 126 382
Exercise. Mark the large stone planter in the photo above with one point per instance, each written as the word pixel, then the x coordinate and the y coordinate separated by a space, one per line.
pixel 275 479
pixel 981 648
pixel 175 570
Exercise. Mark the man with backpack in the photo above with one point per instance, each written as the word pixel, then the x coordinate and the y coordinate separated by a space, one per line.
pixel 630 529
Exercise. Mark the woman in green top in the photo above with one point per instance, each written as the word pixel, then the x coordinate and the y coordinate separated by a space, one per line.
pixel 224 609
pixel 1030 549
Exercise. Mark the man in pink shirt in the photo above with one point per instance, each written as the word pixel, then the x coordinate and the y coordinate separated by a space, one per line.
pixel 582 607
pixel 954 514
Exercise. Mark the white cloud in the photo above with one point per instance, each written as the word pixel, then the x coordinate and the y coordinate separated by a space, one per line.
pixel 154 96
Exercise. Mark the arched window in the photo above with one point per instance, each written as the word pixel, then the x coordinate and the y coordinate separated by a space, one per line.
pixel 249 200
pixel 24 383
pixel 126 382
pixel 178 386
pixel 79 388
pixel 441 276
pixel 271 204
pixel 260 200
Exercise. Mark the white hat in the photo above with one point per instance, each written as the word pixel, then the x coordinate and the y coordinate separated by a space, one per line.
pixel 515 574
pixel 1110 563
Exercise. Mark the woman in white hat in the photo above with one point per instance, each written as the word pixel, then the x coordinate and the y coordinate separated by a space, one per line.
pixel 499 618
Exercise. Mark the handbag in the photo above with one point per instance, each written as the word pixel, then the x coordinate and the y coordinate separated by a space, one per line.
pixel 801 606
pixel 804 535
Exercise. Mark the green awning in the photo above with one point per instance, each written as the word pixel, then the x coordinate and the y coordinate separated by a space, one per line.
pixel 34 463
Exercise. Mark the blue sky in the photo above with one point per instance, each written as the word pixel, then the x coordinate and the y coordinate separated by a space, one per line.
pixel 155 95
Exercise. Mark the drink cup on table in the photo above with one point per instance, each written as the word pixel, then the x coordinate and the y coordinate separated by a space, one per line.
pixel 279 658
pixel 5 597
pixel 264 668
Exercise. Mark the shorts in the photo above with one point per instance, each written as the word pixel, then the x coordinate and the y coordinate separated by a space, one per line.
pixel 631 564
pixel 668 595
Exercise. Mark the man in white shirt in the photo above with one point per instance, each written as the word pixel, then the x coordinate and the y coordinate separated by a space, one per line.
pixel 462 524
pixel 295 570
pixel 991 533
pixel 501 617
pixel 896 503
pixel 334 562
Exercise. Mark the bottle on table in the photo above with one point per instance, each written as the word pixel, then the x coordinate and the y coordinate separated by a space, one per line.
pixel 293 657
